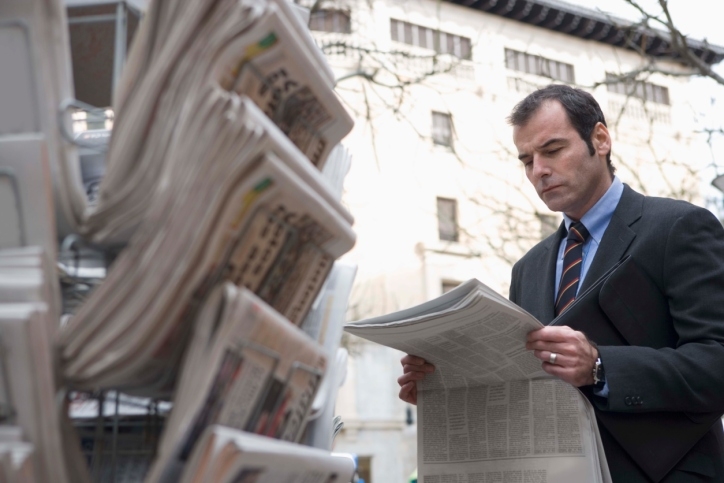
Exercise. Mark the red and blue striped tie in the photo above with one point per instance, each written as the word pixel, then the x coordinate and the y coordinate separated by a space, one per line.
pixel 572 262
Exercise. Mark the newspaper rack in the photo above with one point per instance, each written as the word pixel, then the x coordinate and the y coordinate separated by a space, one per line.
pixel 118 444
pixel 119 433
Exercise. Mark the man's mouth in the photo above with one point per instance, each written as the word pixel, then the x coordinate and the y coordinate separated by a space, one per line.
pixel 548 188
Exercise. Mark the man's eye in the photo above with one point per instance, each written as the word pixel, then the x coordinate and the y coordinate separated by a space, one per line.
pixel 554 151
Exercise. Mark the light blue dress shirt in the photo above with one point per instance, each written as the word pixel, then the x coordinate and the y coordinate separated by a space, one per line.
pixel 596 221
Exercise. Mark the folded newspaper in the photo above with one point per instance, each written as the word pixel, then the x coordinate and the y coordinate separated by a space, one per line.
pixel 35 444
pixel 247 368
pixel 226 455
pixel 255 212
pixel 489 411
pixel 258 49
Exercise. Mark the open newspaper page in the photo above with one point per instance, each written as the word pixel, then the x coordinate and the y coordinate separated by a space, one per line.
pixel 227 456
pixel 489 412
pixel 247 368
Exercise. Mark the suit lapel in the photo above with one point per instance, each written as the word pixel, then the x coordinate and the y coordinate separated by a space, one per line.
pixel 618 236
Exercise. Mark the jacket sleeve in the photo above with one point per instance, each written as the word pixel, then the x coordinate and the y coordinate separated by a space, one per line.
pixel 689 377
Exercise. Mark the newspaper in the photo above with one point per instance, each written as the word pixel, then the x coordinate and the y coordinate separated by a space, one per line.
pixel 247 368
pixel 32 446
pixel 255 213
pixel 28 393
pixel 258 49
pixel 227 455
pixel 489 412
pixel 37 82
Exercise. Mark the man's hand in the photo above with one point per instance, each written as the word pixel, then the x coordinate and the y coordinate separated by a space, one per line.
pixel 575 355
pixel 414 369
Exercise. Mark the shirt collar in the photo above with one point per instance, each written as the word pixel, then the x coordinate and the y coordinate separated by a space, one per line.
pixel 597 218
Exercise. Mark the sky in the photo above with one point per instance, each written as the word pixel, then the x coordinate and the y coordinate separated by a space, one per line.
pixel 700 20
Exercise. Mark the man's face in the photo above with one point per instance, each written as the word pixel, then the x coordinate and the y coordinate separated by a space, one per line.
pixel 557 161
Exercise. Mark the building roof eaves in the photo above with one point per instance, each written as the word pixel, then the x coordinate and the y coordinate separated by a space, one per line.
pixel 594 25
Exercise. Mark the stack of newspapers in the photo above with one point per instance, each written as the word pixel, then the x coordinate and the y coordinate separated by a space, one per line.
pixel 186 52
pixel 35 442
pixel 233 456
pixel 247 368
pixel 225 116
pixel 489 412
pixel 223 187
pixel 221 199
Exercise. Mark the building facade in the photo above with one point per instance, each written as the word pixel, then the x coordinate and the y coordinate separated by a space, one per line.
pixel 436 188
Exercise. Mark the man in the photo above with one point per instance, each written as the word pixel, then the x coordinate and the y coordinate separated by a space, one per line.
pixel 565 147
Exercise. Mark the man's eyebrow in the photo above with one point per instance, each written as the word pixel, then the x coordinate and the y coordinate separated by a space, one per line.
pixel 551 141
pixel 521 156
pixel 543 146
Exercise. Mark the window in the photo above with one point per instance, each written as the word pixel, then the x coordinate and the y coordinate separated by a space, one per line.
pixel 535 64
pixel 442 129
pixel 328 20
pixel 448 285
pixel 427 38
pixel 364 468
pixel 447 219
pixel 640 89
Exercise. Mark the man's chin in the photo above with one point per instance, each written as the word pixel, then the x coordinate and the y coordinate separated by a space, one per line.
pixel 554 203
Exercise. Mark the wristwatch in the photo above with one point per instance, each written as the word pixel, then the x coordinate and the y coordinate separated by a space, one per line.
pixel 599 376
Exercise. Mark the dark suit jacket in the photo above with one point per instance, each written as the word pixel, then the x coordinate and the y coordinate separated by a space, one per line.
pixel 681 248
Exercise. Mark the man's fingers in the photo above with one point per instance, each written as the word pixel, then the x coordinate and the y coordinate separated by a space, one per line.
pixel 551 334
pixel 408 393
pixel 412 360
pixel 414 369
pixel 410 376
pixel 560 359
pixel 557 347
pixel 425 368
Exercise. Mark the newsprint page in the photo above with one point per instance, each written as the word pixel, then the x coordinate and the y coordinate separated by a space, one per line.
pixel 489 413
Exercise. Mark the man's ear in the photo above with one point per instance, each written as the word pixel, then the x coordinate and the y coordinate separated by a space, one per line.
pixel 601 139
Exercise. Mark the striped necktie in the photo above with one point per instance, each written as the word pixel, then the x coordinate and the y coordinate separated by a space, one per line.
pixel 572 262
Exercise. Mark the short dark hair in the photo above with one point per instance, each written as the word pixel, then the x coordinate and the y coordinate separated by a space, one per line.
pixel 582 109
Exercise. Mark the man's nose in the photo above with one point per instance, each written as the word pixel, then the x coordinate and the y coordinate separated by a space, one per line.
pixel 540 167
